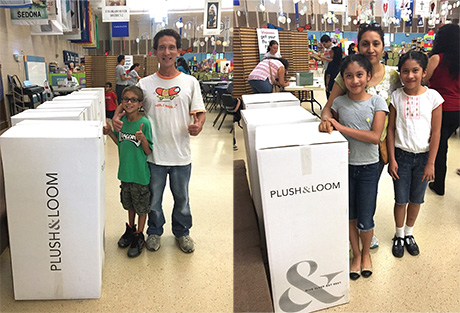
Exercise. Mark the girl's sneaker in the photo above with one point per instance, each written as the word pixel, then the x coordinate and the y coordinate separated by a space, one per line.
pixel 374 242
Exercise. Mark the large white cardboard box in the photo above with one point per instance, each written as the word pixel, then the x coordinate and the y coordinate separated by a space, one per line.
pixel 304 185
pixel 74 97
pixel 56 208
pixel 86 104
pixel 269 100
pixel 268 116
pixel 78 114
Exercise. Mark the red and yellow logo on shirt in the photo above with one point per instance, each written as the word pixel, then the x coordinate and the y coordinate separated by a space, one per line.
pixel 170 93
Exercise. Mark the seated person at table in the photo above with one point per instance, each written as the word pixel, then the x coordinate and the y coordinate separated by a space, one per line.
pixel 71 81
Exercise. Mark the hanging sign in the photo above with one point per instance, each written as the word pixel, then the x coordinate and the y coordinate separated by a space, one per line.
pixel 422 7
pixel 408 11
pixel 36 14
pixel 397 13
pixel 212 16
pixel 264 36
pixel 9 4
pixel 120 29
pixel 115 11
pixel 336 5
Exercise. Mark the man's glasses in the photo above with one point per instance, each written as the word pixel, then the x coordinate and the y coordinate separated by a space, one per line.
pixel 132 100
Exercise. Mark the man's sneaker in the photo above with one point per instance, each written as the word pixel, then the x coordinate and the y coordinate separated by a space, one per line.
pixel 398 247
pixel 153 242
pixel 127 237
pixel 411 245
pixel 374 242
pixel 186 244
pixel 136 245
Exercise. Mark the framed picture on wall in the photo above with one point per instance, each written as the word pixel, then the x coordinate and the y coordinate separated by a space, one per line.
pixel 212 16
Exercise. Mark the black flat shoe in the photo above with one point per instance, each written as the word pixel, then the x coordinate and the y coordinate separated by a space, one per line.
pixel 411 245
pixel 398 247
pixel 366 273
pixel 354 275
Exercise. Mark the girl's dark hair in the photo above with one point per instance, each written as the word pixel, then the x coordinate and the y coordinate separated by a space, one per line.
pixel 447 41
pixel 181 61
pixel 358 58
pixel 136 90
pixel 133 66
pixel 370 27
pixel 420 57
pixel 337 58
pixel 271 43
pixel 109 84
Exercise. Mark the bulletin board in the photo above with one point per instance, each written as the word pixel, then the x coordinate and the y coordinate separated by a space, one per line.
pixel 35 68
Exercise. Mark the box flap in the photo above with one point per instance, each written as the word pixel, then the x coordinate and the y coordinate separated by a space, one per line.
pixel 288 135
pixel 54 129
pixel 270 98
pixel 279 115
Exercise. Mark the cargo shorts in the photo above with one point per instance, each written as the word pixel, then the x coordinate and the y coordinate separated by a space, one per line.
pixel 135 196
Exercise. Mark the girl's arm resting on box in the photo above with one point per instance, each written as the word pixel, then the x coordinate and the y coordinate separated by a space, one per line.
pixel 371 136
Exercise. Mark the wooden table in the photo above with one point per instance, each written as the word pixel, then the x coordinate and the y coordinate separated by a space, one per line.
pixel 305 93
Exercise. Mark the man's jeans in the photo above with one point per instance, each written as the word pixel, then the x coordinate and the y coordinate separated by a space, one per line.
pixel 179 177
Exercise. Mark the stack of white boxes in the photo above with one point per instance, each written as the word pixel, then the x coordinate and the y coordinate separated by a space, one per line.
pixel 304 188
pixel 101 99
pixel 54 173
pixel 299 185
pixel 266 116
pixel 76 97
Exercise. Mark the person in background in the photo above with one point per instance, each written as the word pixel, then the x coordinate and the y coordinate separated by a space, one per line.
pixel 267 73
pixel 351 49
pixel 182 66
pixel 326 56
pixel 71 81
pixel 134 144
pixel 360 117
pixel 272 50
pixel 443 75
pixel 383 82
pixel 110 101
pixel 413 139
pixel 121 77
pixel 134 74
pixel 333 68
pixel 174 106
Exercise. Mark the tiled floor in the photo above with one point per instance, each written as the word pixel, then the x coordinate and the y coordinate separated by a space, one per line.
pixel 167 280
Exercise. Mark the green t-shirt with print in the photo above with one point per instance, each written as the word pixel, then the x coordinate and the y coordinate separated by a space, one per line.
pixel 133 167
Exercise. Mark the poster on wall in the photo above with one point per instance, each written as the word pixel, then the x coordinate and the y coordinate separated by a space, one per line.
pixel 36 14
pixel 264 36
pixel 115 11
pixel 211 24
